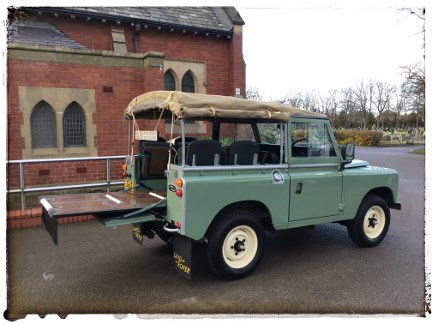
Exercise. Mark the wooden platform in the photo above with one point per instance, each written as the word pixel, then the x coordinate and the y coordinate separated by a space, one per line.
pixel 98 203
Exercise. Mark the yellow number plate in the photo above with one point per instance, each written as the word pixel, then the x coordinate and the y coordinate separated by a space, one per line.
pixel 128 184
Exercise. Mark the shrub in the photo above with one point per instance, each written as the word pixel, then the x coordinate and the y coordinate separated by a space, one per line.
pixel 359 137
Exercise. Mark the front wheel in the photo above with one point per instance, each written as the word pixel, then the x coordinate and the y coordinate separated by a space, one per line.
pixel 235 244
pixel 371 223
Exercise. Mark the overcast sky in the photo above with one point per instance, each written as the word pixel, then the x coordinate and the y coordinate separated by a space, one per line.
pixel 310 48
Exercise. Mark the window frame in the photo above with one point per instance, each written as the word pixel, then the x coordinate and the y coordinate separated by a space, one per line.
pixel 58 99
pixel 50 115
pixel 191 79
pixel 174 83
pixel 74 108
pixel 312 161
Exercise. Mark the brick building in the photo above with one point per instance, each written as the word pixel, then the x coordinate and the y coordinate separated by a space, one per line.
pixel 73 70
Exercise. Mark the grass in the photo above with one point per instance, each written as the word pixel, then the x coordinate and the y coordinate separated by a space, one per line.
pixel 421 151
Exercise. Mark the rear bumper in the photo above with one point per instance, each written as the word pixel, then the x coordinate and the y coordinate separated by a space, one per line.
pixel 396 205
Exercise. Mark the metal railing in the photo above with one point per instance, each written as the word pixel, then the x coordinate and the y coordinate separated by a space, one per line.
pixel 23 190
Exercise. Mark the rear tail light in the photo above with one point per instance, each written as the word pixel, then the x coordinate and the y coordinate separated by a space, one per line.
pixel 125 174
pixel 179 184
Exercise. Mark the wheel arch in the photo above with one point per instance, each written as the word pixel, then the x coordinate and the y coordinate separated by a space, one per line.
pixel 256 208
pixel 383 192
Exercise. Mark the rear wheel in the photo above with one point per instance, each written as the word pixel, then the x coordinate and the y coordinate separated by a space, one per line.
pixel 371 223
pixel 235 244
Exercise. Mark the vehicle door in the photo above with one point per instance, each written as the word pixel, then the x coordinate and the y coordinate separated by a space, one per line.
pixel 314 169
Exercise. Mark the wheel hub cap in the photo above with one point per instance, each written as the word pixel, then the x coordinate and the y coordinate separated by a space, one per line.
pixel 240 246
pixel 374 222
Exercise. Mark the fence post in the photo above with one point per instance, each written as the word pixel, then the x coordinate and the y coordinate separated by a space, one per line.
pixel 108 176
pixel 23 204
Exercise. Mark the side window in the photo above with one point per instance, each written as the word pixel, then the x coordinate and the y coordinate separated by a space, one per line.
pixel 311 140
pixel 169 81
pixel 231 132
pixel 74 126
pixel 270 133
pixel 188 84
pixel 43 126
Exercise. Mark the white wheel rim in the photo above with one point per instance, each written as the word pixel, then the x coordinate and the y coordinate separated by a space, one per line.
pixel 240 246
pixel 374 222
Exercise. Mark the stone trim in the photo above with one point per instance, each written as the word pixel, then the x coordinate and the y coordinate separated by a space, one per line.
pixel 58 99
pixel 83 56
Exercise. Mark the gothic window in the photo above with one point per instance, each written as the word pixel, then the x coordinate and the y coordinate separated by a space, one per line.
pixel 43 126
pixel 169 81
pixel 74 126
pixel 188 84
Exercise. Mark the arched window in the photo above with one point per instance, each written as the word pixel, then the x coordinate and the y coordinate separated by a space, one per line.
pixel 43 126
pixel 169 82
pixel 74 126
pixel 188 84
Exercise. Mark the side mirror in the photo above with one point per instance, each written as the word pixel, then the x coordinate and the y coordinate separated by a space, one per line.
pixel 348 152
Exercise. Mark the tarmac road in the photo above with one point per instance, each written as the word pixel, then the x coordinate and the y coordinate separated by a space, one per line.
pixel 313 271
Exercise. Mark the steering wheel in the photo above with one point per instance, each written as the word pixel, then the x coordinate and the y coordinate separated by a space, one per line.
pixel 300 140
pixel 299 150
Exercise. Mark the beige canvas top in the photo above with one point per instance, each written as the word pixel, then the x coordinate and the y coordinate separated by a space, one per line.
pixel 195 105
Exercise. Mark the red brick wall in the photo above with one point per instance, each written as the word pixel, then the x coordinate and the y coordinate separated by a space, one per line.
pixel 55 173
pixel 111 137
pixel 225 71
pixel 111 130
pixel 216 52
pixel 175 45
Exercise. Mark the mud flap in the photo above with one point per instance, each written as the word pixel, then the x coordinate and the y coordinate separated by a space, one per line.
pixel 182 252
pixel 50 224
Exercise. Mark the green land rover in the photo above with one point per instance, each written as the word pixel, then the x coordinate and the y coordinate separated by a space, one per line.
pixel 229 170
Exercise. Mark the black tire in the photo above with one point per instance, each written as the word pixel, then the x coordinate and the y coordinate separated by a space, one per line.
pixel 371 223
pixel 235 244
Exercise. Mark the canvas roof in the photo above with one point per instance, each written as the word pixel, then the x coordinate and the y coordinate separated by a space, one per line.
pixel 195 105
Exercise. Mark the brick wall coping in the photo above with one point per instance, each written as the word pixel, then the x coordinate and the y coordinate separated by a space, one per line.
pixel 75 56
pixel 59 49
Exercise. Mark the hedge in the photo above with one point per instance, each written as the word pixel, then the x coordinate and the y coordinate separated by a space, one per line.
pixel 359 137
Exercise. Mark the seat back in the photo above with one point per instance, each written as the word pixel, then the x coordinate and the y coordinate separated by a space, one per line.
pixel 203 152
pixel 243 153
pixel 154 159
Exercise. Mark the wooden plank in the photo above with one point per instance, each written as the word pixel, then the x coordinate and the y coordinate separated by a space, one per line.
pixel 97 203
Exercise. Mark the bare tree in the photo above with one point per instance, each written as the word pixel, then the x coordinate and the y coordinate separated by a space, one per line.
pixel 310 101
pixel 414 84
pixel 383 95
pixel 329 104
pixel 399 105
pixel 348 105
pixel 414 89
pixel 293 100
pixel 253 94
pixel 361 93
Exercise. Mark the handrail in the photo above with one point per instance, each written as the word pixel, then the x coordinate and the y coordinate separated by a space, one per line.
pixel 22 189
